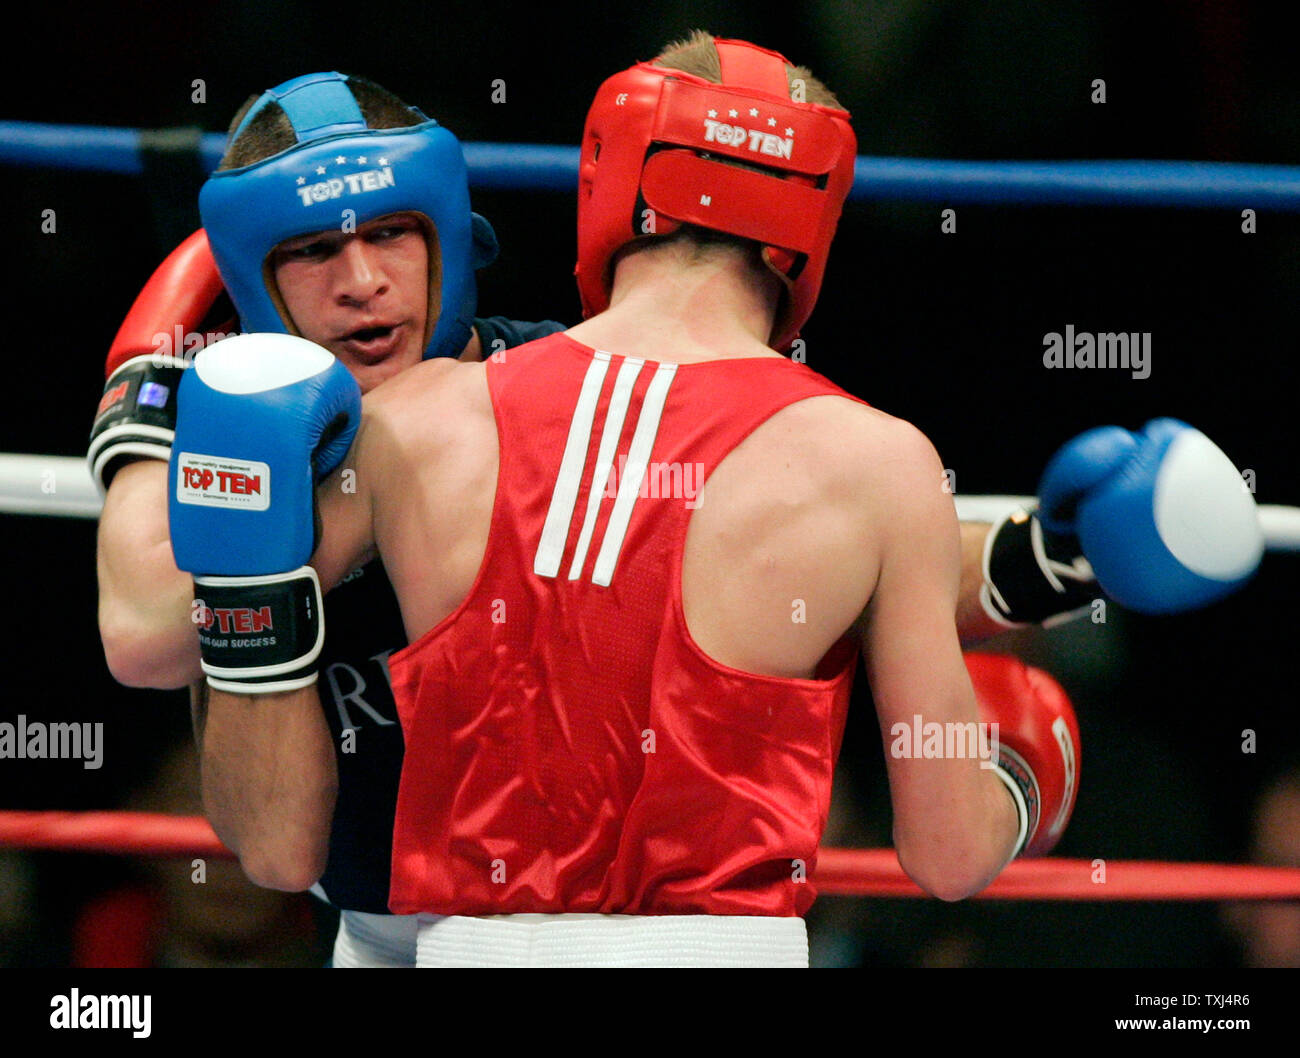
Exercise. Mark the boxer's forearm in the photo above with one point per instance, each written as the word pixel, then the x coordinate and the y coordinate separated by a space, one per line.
pixel 973 622
pixel 269 783
pixel 144 600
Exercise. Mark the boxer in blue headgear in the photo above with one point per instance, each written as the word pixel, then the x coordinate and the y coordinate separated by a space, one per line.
pixel 340 173
pixel 294 259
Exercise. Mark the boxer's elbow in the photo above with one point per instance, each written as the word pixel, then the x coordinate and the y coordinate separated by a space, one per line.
pixel 133 664
pixel 291 868
pixel 290 851
pixel 955 831
pixel 141 656
pixel 949 877
pixel 287 873
pixel 952 860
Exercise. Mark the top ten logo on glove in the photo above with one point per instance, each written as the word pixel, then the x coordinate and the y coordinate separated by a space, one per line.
pixel 216 481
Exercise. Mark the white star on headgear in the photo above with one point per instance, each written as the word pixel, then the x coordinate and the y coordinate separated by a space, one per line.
pixel 771 121
pixel 753 112
pixel 301 180
pixel 320 170
pixel 361 160
pixel 340 160
pixel 713 113
pixel 733 113
pixel 383 161
pixel 789 132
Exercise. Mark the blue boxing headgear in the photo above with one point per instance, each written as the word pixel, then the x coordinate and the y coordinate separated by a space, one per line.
pixel 339 164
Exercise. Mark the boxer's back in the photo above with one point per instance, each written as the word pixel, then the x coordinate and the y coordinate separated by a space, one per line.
pixel 644 536
pixel 779 557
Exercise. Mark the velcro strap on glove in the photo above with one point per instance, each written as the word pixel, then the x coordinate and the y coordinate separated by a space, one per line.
pixel 136 417
pixel 260 635
pixel 1034 576
pixel 1020 783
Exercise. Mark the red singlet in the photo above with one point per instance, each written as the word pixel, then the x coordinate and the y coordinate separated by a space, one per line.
pixel 569 747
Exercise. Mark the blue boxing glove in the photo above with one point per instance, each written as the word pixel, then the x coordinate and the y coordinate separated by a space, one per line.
pixel 1162 515
pixel 1160 518
pixel 261 418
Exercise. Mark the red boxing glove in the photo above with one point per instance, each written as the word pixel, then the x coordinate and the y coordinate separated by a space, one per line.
pixel 136 417
pixel 1037 744
pixel 181 292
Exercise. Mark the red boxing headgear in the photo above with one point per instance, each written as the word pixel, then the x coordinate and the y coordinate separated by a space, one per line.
pixel 651 161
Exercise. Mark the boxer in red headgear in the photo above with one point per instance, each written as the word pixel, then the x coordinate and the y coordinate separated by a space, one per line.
pixel 636 563
pixel 662 151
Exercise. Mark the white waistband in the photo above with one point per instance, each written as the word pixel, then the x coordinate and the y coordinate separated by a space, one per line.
pixel 375 940
pixel 611 940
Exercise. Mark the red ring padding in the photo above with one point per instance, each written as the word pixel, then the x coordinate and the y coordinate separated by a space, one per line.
pixel 840 872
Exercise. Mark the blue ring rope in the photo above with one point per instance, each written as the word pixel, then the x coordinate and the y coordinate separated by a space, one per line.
pixel 541 167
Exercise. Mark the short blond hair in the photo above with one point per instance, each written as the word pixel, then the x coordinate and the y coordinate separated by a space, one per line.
pixel 696 55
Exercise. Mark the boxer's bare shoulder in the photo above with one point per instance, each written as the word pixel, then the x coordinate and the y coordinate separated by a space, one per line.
pixel 800 517
pixel 429 451
pixel 844 460
pixel 431 407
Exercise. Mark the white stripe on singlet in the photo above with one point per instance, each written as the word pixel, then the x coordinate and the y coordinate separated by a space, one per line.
pixel 638 458
pixel 565 497
pixel 618 402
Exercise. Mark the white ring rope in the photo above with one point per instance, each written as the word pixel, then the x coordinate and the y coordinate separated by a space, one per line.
pixel 61 486
pixel 55 485
pixel 1280 524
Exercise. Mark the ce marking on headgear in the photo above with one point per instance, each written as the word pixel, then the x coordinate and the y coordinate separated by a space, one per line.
pixel 620 99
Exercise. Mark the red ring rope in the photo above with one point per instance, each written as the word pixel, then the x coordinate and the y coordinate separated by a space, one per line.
pixel 840 872
pixel 875 872
pixel 122 833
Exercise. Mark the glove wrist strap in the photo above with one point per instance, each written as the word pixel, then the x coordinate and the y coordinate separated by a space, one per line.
pixel 136 418
pixel 260 635
pixel 1022 793
pixel 1032 576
